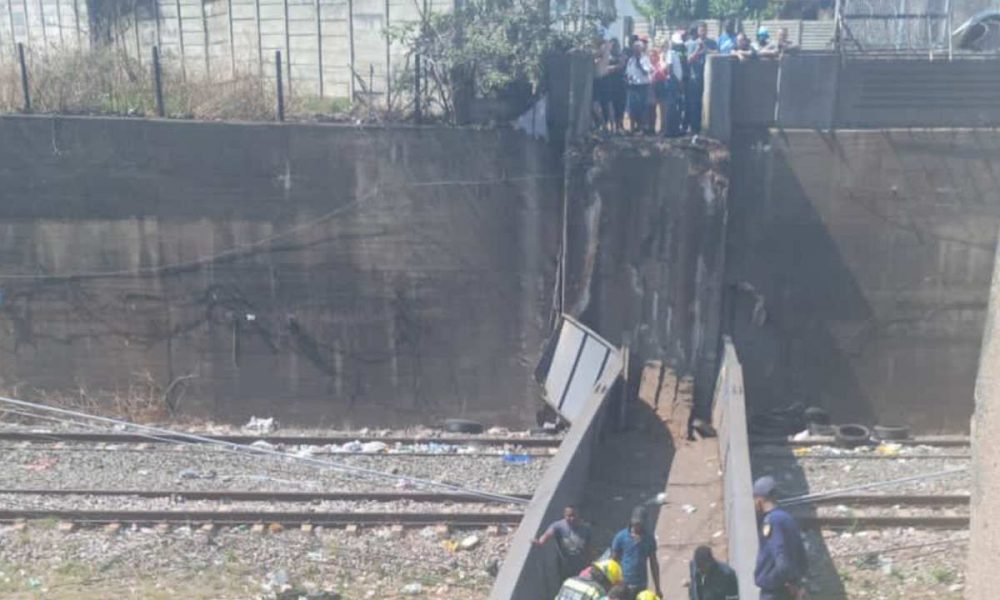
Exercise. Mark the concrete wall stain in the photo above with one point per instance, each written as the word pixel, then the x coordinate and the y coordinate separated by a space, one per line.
pixel 327 275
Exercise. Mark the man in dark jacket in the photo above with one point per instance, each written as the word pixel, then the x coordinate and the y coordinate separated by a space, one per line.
pixel 711 579
pixel 781 559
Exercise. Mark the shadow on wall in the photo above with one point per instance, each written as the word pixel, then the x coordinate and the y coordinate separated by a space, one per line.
pixel 788 284
pixel 859 265
pixel 629 468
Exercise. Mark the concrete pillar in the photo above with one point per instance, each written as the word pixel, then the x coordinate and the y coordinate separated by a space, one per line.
pixel 982 576
pixel 716 114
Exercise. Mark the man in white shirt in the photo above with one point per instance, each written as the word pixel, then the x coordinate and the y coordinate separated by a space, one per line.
pixel 639 75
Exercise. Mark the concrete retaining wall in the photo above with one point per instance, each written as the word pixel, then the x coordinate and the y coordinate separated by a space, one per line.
pixel 734 452
pixel 528 571
pixel 321 274
pixel 861 266
pixel 824 90
pixel 646 232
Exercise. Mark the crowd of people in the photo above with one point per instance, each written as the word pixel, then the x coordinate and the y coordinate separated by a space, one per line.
pixel 659 85
pixel 623 571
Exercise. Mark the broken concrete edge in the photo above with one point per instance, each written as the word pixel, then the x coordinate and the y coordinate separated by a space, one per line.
pixel 730 419
pixel 529 571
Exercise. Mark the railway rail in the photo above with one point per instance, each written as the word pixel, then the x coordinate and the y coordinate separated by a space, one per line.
pixel 286 519
pixel 950 441
pixel 883 522
pixel 259 496
pixel 292 440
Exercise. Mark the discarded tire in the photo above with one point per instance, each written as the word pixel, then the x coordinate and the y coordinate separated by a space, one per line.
pixel 462 426
pixel 851 436
pixel 892 432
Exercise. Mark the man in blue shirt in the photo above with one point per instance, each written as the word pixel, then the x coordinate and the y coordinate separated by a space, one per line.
pixel 781 559
pixel 634 548
pixel 727 41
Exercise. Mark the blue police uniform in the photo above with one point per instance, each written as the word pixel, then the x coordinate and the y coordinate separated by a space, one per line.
pixel 781 559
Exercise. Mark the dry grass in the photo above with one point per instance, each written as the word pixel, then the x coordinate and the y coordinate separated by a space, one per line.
pixel 109 82
pixel 141 400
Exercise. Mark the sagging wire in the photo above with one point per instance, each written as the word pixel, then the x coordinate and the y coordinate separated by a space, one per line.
pixel 237 251
pixel 809 498
pixel 166 440
pixel 157 433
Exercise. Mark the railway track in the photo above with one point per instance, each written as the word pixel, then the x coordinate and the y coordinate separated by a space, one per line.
pixel 937 441
pixel 291 440
pixel 257 496
pixel 882 522
pixel 927 500
pixel 286 519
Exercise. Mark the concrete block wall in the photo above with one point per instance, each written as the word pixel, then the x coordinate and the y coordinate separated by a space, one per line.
pixel 320 40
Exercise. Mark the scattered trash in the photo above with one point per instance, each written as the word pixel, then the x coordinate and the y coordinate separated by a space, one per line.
pixel 801 436
pixel 717 534
pixel 373 447
pixel 34 583
pixel 428 533
pixel 354 446
pixel 689 509
pixel 806 451
pixel 412 589
pixel 42 464
pixel 262 445
pixel 469 542
pixel 256 425
pixel 886 449
pixel 517 459
pixel 195 474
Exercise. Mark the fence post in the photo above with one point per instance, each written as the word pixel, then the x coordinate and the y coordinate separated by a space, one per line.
pixel 24 77
pixel 281 91
pixel 319 45
pixel 416 87
pixel 350 49
pixel 180 40
pixel 158 82
pixel 288 49
pixel 388 62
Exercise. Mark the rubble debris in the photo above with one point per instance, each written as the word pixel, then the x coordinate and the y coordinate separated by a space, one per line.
pixel 261 425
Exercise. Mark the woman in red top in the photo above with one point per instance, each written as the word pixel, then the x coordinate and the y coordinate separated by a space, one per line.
pixel 661 73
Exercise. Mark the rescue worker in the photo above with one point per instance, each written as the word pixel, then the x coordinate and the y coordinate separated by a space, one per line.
pixel 781 558
pixel 711 579
pixel 594 583
pixel 647 595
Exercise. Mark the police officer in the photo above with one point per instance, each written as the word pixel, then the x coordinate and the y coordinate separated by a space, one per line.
pixel 781 559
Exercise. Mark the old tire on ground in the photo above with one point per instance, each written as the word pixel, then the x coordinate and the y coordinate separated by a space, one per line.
pixel 462 426
pixel 892 432
pixel 852 435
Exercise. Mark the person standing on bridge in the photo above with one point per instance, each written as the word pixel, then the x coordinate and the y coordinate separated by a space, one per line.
pixel 634 548
pixel 781 558
pixel 572 537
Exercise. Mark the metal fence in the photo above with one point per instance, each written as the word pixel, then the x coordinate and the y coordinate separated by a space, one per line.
pixel 331 48
pixel 893 26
